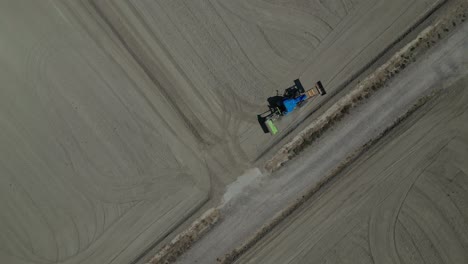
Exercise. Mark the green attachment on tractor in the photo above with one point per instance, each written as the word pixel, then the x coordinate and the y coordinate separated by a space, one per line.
pixel 271 127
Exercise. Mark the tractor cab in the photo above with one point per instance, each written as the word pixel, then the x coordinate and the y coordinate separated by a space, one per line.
pixel 280 105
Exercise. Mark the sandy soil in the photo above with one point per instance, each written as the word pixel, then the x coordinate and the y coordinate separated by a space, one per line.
pixel 114 114
pixel 405 201
pixel 92 158
pixel 222 59
pixel 264 200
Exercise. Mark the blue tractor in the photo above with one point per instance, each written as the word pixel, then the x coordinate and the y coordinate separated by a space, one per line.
pixel 280 105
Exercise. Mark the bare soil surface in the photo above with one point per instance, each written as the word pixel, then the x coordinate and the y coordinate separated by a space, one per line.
pixel 218 61
pixel 404 201
pixel 93 160
pixel 120 119
pixel 260 203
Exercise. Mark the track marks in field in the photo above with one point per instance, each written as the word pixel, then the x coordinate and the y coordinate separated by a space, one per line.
pixel 226 56
pixel 92 158
pixel 405 201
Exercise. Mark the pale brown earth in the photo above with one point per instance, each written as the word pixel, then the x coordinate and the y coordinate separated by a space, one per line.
pixel 404 201
pixel 270 198
pixel 94 162
pixel 218 61
pixel 119 119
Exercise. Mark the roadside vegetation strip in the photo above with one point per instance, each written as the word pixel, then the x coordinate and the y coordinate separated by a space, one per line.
pixel 427 38
pixel 236 253
pixel 182 242
pixel 375 81
pixel 264 230
pixel 405 56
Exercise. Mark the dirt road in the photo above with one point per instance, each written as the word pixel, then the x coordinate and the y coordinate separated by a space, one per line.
pixel 221 59
pixel 259 203
pixel 121 118
pixel 404 201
